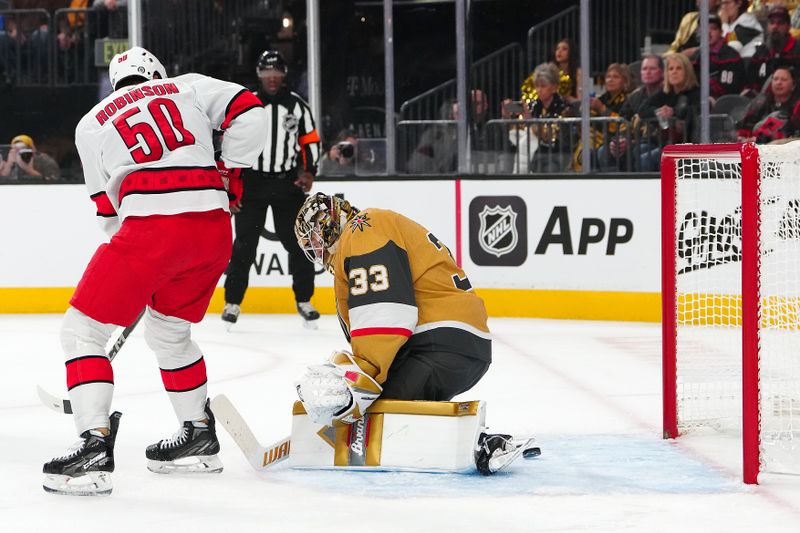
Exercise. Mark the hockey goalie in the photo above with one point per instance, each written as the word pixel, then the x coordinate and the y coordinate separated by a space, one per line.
pixel 418 337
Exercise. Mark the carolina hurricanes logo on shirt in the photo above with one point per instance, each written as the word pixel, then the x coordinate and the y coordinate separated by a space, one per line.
pixel 359 222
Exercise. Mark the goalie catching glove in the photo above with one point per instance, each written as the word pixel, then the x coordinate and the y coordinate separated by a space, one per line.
pixel 337 392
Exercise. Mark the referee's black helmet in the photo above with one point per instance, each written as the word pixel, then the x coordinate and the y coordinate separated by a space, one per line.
pixel 271 59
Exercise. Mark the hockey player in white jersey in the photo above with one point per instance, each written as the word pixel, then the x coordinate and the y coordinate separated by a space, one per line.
pixel 148 160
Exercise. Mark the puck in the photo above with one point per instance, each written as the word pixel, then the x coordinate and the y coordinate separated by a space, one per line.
pixel 530 453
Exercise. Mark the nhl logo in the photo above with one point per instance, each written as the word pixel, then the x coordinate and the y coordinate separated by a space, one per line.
pixel 498 234
pixel 498 231
pixel 290 123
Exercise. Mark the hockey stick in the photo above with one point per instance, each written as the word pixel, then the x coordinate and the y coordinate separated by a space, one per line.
pixel 260 457
pixel 62 405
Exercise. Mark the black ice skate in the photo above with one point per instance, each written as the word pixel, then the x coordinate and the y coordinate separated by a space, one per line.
pixel 192 449
pixel 308 313
pixel 230 314
pixel 495 452
pixel 85 470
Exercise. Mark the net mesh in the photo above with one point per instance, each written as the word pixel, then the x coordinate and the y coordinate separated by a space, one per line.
pixel 779 327
pixel 708 285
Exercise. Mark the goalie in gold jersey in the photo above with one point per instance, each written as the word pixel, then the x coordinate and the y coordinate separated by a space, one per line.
pixel 416 328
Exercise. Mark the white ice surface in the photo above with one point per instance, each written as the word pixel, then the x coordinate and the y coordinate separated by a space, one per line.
pixel 589 391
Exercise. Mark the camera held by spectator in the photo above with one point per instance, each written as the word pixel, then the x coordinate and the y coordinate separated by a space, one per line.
pixel 341 158
pixel 24 161
pixel 347 150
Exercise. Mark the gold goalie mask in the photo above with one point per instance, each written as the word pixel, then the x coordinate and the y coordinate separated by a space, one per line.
pixel 319 225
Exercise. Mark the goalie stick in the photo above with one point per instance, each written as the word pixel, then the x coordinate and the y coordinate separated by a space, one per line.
pixel 260 457
pixel 63 405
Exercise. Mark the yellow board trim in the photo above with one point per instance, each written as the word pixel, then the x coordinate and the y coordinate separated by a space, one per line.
pixel 405 407
pixel 522 303
pixel 575 305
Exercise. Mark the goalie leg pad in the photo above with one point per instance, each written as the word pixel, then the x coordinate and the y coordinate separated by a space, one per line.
pixel 417 436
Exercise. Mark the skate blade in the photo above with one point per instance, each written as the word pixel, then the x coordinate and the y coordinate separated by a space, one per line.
pixel 228 326
pixel 198 464
pixel 310 324
pixel 91 484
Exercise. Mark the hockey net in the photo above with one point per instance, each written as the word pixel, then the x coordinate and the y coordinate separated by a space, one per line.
pixel 731 298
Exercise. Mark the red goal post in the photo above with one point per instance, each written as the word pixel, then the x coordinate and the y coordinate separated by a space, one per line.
pixel 731 298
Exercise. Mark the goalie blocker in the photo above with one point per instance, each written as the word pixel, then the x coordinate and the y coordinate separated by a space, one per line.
pixel 416 436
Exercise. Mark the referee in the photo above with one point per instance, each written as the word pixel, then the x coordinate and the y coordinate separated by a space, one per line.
pixel 280 178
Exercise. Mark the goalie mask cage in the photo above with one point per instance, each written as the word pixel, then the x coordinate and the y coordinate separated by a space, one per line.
pixel 731 298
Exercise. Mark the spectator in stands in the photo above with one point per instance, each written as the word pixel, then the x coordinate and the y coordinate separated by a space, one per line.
pixel 775 114
pixel 69 26
pixel 676 108
pixel 780 49
pixel 651 73
pixel 339 160
pixel 686 36
pixel 24 161
pixel 476 126
pixel 565 57
pixel 550 138
pixel 436 151
pixel 726 68
pixel 111 19
pixel 740 28
pixel 609 104
pixel 795 21
pixel 111 22
pixel 24 41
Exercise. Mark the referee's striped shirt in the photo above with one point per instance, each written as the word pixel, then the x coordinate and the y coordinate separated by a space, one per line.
pixel 292 138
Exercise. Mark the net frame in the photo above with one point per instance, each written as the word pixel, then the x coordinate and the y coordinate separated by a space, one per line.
pixel 747 155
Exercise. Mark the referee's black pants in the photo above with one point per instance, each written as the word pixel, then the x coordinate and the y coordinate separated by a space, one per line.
pixel 285 198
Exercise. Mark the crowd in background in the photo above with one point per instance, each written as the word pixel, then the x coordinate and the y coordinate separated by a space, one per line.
pixel 641 107
pixel 638 108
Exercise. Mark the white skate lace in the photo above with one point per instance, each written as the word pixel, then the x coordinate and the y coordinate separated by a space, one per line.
pixel 231 309
pixel 178 439
pixel 73 450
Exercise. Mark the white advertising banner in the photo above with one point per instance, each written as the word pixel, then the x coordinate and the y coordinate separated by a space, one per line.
pixel 598 235
pixel 49 233
pixel 573 234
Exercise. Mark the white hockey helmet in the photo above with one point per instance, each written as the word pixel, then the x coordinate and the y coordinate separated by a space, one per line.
pixel 135 62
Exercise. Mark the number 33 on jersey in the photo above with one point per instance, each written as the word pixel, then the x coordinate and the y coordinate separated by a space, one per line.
pixel 398 287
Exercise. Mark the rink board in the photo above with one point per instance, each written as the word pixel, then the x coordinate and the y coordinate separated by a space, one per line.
pixel 548 248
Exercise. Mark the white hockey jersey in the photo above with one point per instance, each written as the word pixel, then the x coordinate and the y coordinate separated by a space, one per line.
pixel 147 149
